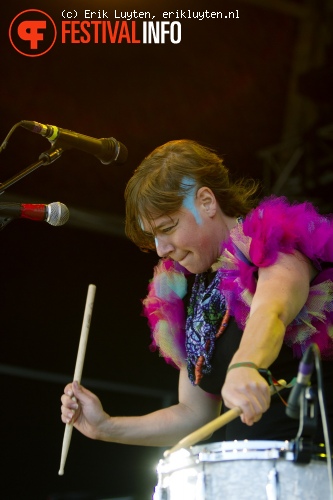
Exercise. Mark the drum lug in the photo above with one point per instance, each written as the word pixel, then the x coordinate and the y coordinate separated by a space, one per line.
pixel 201 487
pixel 273 485
pixel 160 493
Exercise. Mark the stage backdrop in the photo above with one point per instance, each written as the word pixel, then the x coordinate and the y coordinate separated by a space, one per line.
pixel 225 73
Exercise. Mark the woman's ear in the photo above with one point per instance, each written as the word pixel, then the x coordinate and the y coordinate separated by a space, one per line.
pixel 206 201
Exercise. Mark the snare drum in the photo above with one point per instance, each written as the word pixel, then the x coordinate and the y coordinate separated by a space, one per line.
pixel 236 470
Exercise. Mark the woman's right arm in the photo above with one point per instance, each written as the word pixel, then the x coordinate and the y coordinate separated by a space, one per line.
pixel 163 427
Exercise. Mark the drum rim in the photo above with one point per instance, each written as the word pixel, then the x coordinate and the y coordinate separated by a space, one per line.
pixel 243 445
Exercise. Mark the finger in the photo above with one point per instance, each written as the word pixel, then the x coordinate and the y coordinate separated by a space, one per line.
pixel 69 390
pixel 250 421
pixel 260 397
pixel 253 409
pixel 78 390
pixel 261 403
pixel 251 414
pixel 82 394
pixel 77 387
pixel 69 402
pixel 66 415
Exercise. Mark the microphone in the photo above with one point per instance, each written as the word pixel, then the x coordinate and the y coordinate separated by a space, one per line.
pixel 107 150
pixel 55 213
pixel 305 370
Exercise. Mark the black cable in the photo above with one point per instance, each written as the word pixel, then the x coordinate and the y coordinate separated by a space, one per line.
pixel 318 366
pixel 12 130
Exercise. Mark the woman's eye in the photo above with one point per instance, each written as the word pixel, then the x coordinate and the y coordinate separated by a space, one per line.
pixel 169 228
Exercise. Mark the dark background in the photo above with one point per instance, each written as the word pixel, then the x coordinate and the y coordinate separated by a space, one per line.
pixel 258 89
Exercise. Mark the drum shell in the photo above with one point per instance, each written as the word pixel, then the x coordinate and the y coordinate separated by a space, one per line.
pixel 260 470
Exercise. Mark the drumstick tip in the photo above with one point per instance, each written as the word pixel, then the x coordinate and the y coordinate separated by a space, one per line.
pixel 61 472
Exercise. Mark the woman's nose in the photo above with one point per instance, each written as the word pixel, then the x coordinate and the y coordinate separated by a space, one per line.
pixel 163 247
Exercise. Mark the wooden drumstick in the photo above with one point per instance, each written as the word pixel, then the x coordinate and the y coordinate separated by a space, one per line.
pixel 78 369
pixel 206 430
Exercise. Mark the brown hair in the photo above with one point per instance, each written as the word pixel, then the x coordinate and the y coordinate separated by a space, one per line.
pixel 156 187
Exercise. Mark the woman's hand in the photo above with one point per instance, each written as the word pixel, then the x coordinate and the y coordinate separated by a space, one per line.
pixel 245 388
pixel 84 409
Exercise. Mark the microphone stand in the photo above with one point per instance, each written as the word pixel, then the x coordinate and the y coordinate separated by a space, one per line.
pixel 45 158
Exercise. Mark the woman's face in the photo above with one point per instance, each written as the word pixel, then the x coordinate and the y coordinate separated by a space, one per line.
pixel 191 236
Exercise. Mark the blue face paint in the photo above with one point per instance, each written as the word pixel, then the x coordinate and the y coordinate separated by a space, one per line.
pixel 143 229
pixel 189 200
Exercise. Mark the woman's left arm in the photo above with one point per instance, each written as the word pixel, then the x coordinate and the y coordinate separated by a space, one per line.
pixel 281 292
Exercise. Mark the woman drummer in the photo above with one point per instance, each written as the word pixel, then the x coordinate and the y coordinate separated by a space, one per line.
pixel 238 291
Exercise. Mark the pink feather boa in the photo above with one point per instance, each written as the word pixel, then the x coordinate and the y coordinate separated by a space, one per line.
pixel 278 226
pixel 274 226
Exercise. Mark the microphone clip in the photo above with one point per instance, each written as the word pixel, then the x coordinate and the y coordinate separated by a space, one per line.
pixel 4 221
pixel 303 444
pixel 51 155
